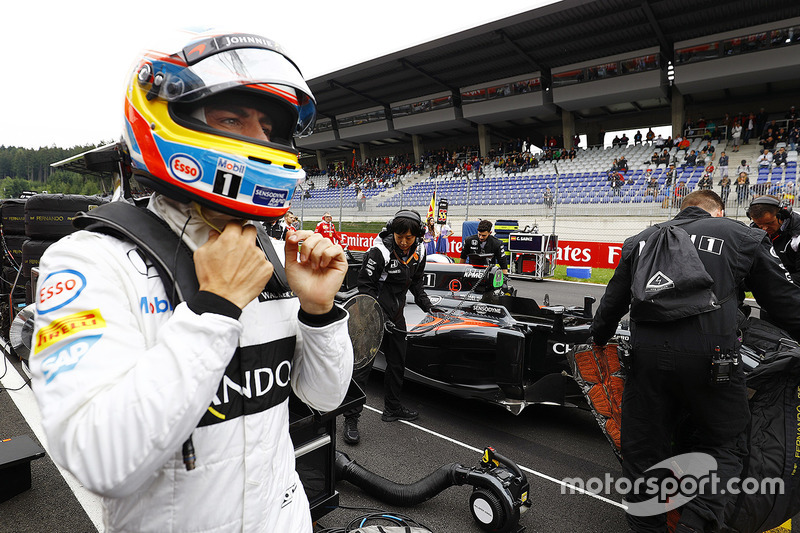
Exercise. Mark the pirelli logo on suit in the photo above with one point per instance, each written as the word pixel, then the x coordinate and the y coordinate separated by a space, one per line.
pixel 256 379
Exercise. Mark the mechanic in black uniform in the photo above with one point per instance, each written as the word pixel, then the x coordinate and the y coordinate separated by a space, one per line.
pixel 671 360
pixel 783 227
pixel 485 243
pixel 394 265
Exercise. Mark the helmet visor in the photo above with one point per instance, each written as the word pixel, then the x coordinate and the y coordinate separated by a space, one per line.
pixel 227 69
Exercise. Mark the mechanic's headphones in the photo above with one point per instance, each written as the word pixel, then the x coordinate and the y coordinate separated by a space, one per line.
pixel 784 210
pixel 419 228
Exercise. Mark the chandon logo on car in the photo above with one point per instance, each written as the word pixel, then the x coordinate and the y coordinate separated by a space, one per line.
pixel 256 379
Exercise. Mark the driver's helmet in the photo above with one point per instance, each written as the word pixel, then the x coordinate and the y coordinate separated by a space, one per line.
pixel 175 152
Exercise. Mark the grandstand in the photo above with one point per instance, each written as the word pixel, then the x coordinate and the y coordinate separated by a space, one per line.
pixel 558 72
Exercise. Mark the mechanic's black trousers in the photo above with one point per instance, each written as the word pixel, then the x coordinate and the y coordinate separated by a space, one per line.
pixel 393 347
pixel 664 388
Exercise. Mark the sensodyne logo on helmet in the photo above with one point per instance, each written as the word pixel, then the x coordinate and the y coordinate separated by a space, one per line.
pixel 269 197
pixel 185 168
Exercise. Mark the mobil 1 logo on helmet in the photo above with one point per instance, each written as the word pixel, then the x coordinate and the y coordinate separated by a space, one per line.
pixel 185 168
pixel 228 177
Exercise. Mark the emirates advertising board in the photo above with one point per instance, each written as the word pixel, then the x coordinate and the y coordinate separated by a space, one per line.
pixel 570 253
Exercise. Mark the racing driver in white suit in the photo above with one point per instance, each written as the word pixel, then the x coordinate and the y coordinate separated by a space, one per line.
pixel 123 379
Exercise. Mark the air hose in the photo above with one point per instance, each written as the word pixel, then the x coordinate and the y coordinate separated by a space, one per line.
pixel 499 496
pixel 396 493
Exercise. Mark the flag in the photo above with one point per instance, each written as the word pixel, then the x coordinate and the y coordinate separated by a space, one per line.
pixel 353 162
pixel 432 208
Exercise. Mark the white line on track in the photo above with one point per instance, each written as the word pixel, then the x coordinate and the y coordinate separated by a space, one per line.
pixel 524 468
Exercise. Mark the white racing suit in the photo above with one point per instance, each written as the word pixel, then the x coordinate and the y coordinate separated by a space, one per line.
pixel 123 380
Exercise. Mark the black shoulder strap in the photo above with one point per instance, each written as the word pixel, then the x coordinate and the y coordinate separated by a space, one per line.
pixel 171 257
pixel 153 237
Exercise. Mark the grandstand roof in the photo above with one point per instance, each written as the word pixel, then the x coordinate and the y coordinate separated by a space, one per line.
pixel 563 33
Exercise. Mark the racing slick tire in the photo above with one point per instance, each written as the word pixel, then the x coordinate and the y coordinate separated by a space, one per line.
pixel 32 251
pixel 12 213
pixel 49 216
pixel 12 250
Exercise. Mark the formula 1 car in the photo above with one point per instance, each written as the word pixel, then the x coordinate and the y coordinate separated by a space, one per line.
pixel 488 344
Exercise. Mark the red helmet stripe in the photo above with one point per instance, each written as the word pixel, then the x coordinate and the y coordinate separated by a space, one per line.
pixel 274 90
pixel 144 138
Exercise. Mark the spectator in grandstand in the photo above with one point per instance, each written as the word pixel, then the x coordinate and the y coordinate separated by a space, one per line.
pixel 691 159
pixel 789 195
pixel 361 199
pixel 769 140
pixel 615 142
pixel 749 126
pixel 705 182
pixel 652 186
pixel 429 239
pixel 723 165
pixel 791 114
pixel 659 142
pixel 743 167
pixel 683 144
pixel 780 158
pixel 793 137
pixel 709 148
pixel 703 158
pixel 548 197
pixel 622 164
pixel 681 190
pixel 663 159
pixel 669 175
pixel 478 167
pixel 742 188
pixel 326 228
pixel 650 135
pixel 724 188
pixel 761 121
pixel 576 141
pixel 765 159
pixel 711 130
pixel 637 137
pixel 654 159
pixel 736 135
pixel 624 140
pixel 485 243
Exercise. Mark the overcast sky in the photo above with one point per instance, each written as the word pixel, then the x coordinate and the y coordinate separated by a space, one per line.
pixel 64 64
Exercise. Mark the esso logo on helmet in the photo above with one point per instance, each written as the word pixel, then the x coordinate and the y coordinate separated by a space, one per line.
pixel 185 168
pixel 58 289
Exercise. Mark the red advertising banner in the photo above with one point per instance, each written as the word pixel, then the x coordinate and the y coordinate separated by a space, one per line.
pixel 570 253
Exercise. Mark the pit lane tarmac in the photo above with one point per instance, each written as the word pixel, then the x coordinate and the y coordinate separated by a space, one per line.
pixel 549 443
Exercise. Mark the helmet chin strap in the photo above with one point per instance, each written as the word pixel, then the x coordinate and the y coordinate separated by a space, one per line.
pixel 199 209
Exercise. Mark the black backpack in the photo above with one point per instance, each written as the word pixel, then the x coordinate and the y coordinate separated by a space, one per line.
pixel 670 281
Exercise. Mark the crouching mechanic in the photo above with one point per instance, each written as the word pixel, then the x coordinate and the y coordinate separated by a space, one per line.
pixel 670 373
pixel 394 265
pixel 783 227
pixel 123 380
